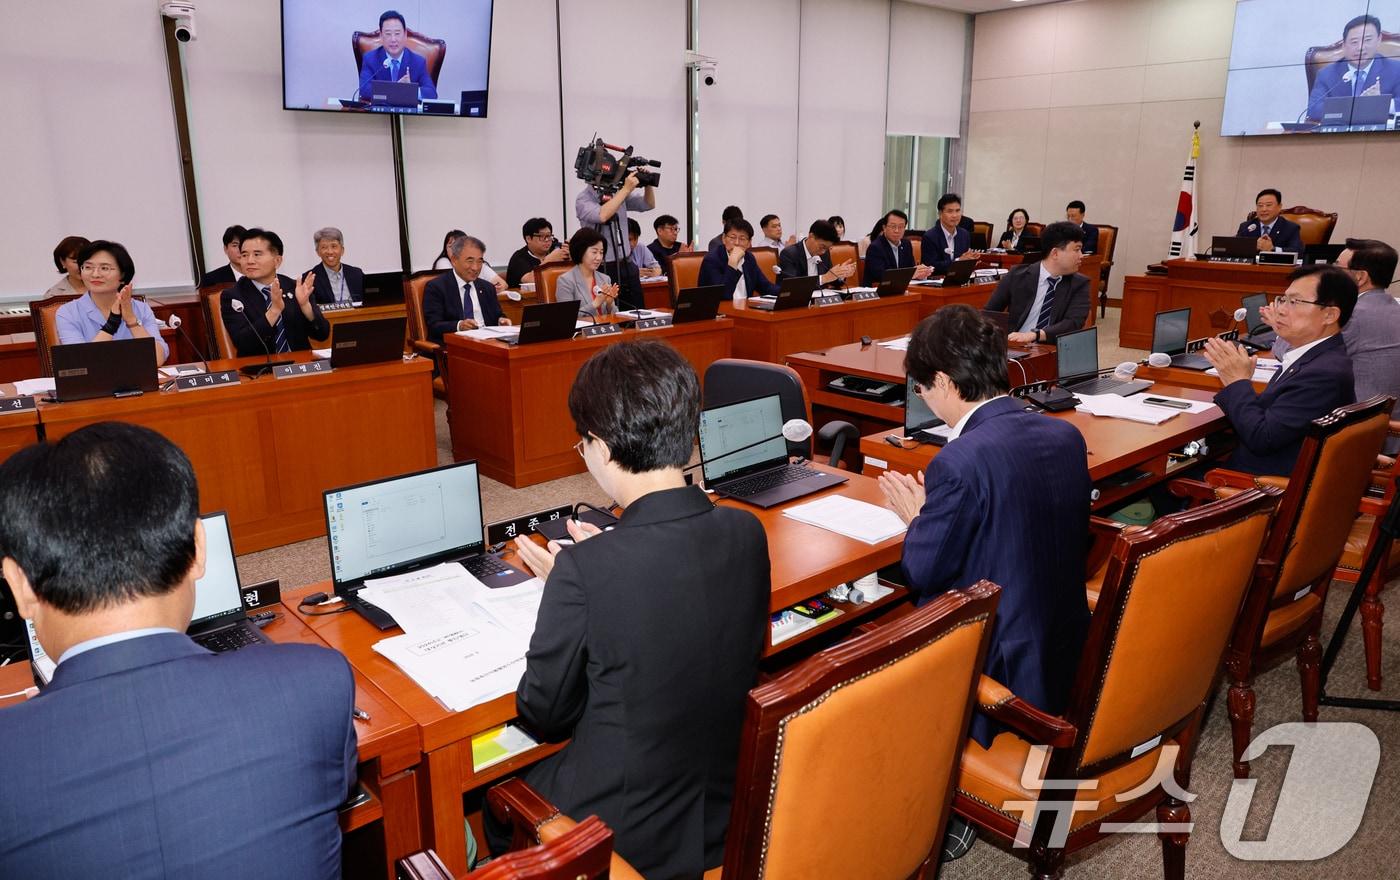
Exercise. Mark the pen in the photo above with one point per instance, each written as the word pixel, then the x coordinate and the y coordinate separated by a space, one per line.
pixel 359 714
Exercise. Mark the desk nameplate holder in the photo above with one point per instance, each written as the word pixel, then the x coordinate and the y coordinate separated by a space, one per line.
pixel 864 296
pixel 23 403
pixel 221 379
pixel 822 302
pixel 599 330
pixel 506 529
pixel 292 371
pixel 652 323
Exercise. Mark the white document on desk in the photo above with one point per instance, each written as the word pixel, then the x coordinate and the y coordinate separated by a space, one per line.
pixel 847 516
pixel 1264 370
pixel 1133 408
pixel 489 333
pixel 34 386
pixel 900 344
pixel 460 667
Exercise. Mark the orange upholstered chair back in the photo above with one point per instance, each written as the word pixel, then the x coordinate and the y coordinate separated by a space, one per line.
pixel 44 314
pixel 767 259
pixel 1314 226
pixel 918 245
pixel 432 50
pixel 982 233
pixel 1318 57
pixel 413 288
pixel 904 693
pixel 212 300
pixel 547 277
pixel 1108 237
pixel 683 271
pixel 1036 229
pixel 843 251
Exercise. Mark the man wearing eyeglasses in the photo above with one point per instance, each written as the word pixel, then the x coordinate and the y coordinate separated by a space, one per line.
pixel 540 247
pixel 1314 379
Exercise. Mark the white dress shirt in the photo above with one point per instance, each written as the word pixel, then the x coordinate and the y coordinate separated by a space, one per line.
pixel 1041 286
pixel 962 422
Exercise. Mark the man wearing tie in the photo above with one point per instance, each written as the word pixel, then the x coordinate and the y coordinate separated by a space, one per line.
pixel 812 256
pixel 1273 231
pixel 1047 298
pixel 394 61
pixel 947 241
pixel 279 313
pixel 1360 72
pixel 891 251
pixel 458 299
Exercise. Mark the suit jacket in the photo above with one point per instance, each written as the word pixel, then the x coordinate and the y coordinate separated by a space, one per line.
pixel 417 67
pixel 571 286
pixel 649 676
pixel 1015 293
pixel 221 275
pixel 300 331
pixel 1008 500
pixel 715 269
pixel 935 247
pixel 154 758
pixel 1287 235
pixel 792 263
pixel 354 282
pixel 442 305
pixel 1372 337
pixel 879 257
pixel 1270 425
pixel 1091 238
pixel 1329 82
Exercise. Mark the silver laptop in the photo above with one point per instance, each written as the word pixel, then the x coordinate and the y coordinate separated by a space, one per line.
pixel 1077 356
pixel 220 622
pixel 745 456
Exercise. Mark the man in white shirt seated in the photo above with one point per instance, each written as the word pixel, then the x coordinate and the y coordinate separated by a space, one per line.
pixel 772 228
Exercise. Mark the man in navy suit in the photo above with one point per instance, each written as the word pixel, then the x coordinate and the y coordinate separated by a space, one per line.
pixel 393 60
pixel 230 272
pixel 730 263
pixel 1048 298
pixel 1074 213
pixel 1315 378
pixel 147 756
pixel 1362 71
pixel 891 251
pixel 812 256
pixel 1272 230
pixel 458 299
pixel 335 281
pixel 279 314
pixel 946 241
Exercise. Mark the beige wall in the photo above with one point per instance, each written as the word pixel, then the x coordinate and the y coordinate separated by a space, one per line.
pixel 1095 99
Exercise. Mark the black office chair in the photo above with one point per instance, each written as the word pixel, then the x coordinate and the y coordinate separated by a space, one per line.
pixel 730 380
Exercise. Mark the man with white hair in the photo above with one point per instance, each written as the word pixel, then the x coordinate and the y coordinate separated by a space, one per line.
pixel 336 282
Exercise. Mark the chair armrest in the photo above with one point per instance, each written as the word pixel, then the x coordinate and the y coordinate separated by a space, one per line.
pixel 1221 478
pixel 426 348
pixel 1102 534
pixel 996 701
pixel 534 821
pixel 423 865
pixel 1193 491
pixel 1377 507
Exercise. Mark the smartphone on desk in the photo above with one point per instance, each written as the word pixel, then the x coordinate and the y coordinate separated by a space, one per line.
pixel 1162 401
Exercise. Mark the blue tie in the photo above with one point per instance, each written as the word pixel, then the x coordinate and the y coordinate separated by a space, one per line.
pixel 1048 305
pixel 279 330
pixel 467 312
pixel 394 70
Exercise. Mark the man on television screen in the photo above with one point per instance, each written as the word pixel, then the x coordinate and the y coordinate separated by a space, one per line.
pixel 1361 71
pixel 394 61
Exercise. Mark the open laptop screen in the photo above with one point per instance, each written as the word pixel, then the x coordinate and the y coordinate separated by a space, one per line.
pixel 726 433
pixel 917 415
pixel 1252 304
pixel 1170 330
pixel 1077 353
pixel 398 522
pixel 216 594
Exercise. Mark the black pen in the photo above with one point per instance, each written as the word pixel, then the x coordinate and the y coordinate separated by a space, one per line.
pixel 359 714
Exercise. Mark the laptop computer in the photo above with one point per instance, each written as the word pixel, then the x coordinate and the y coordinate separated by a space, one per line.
pixel 121 367
pixel 744 455
pixel 400 524
pixel 220 622
pixel 1345 111
pixel 1260 336
pixel 1234 247
pixel 1170 331
pixel 895 281
pixel 382 289
pixel 1077 357
pixel 546 322
pixel 1322 253
pixel 919 421
pixel 793 293
pixel 377 341
pixel 388 93
pixel 697 304
pixel 958 274
pixel 1029 245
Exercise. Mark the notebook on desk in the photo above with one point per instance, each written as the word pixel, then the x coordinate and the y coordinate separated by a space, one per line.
pixel 745 456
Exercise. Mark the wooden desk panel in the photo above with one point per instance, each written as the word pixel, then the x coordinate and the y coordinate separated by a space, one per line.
pixel 509 404
pixel 17 430
pixel 1211 290
pixel 1186 378
pixel 934 298
pixel 770 336
pixel 19 357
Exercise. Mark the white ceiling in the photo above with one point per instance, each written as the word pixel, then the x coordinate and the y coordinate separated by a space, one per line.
pixel 979 5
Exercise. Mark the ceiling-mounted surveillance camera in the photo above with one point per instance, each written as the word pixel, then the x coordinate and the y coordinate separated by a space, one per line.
pixel 182 13
pixel 706 66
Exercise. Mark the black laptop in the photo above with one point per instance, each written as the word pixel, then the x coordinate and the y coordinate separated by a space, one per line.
pixel 1077 359
pixel 356 343
pixel 919 421
pixel 1170 332
pixel 382 289
pixel 1322 253
pixel 391 93
pixel 698 304
pixel 793 293
pixel 1261 336
pixel 120 367
pixel 745 456
pixel 220 622
pixel 958 274
pixel 1234 248
pixel 389 527
pixel 546 322
pixel 895 281
pixel 1370 111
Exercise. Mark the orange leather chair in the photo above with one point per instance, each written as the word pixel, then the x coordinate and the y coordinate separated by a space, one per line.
pixel 1151 660
pixel 211 299
pixel 413 288
pixel 683 271
pixel 767 259
pixel 1365 532
pixel 1315 515
pixel 917 243
pixel 1036 229
pixel 44 314
pixel 547 277
pixel 1314 226
pixel 432 50
pixel 902 690
pixel 1108 238
pixel 982 233
pixel 581 852
pixel 843 251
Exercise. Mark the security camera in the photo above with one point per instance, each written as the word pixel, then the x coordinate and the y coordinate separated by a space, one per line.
pixel 182 13
pixel 706 66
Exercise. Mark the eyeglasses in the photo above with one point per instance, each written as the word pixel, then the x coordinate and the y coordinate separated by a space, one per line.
pixel 98 268
pixel 544 236
pixel 1288 302
pixel 578 447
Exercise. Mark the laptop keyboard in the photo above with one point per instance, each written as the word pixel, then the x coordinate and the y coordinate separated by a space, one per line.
pixel 1104 385
pixel 485 566
pixel 771 479
pixel 230 639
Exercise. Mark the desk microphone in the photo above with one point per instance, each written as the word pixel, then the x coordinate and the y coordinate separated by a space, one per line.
pixel 1128 369
pixel 262 369
pixel 179 325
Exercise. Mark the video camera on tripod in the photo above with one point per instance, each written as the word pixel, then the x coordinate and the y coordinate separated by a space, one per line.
pixel 599 168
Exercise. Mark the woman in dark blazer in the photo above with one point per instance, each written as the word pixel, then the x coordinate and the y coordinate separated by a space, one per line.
pixel 1015 230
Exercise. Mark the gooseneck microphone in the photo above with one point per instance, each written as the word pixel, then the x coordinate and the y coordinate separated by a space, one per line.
pixel 179 326
pixel 259 369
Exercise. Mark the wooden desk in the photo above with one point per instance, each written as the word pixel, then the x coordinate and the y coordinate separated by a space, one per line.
pixel 17 430
pixel 817 368
pixel 508 406
pixel 19 357
pixel 1211 290
pixel 770 336
pixel 655 295
pixel 1185 378
pixel 1115 446
pixel 363 313
pixel 191 312
pixel 934 298
pixel 265 449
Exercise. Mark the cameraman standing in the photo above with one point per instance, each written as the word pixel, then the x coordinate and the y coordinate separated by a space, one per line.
pixel 603 212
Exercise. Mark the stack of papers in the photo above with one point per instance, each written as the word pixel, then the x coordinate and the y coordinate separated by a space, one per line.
pixel 1264 369
pixel 1136 409
pixel 488 333
pixel 849 517
pixel 463 643
pixel 34 386
pixel 900 344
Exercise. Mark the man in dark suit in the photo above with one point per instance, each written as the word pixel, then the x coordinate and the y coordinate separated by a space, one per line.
pixel 279 313
pixel 147 756
pixel 1074 213
pixel 393 60
pixel 335 281
pixel 891 251
pixel 230 272
pixel 946 241
pixel 1361 71
pixel 1047 298
pixel 1314 379
pixel 1273 231
pixel 458 299
pixel 730 263
pixel 812 256
pixel 648 677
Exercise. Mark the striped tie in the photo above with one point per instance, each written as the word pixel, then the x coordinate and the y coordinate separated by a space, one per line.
pixel 279 330
pixel 1048 306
